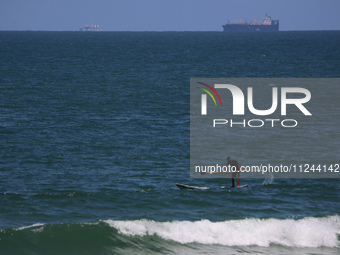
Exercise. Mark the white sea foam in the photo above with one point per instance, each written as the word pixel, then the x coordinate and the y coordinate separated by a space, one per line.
pixel 31 226
pixel 306 232
pixel 269 179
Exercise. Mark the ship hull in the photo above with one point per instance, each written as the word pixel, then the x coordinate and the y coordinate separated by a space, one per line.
pixel 249 27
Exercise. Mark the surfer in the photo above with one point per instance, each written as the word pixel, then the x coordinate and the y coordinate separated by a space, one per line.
pixel 236 171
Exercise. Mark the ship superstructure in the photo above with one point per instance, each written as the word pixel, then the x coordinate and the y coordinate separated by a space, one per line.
pixel 93 27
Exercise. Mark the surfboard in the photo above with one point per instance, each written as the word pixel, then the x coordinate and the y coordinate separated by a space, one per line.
pixel 184 186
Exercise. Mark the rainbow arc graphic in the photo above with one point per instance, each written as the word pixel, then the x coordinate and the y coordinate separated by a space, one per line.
pixel 204 97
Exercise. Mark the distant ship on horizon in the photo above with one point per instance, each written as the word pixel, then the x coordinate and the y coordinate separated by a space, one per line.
pixel 267 24
pixel 93 27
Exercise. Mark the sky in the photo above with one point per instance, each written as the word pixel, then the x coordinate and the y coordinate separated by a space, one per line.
pixel 165 15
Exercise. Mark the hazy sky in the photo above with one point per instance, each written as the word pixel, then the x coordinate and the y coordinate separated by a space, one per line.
pixel 165 15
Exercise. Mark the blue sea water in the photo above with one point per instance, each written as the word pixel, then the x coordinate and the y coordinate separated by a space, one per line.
pixel 94 135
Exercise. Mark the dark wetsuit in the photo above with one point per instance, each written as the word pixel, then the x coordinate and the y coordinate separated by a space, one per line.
pixel 235 165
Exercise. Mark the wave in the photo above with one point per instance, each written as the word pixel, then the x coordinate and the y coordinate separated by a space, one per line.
pixel 131 236
pixel 306 232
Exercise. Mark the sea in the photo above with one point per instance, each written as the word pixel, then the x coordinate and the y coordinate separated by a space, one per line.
pixel 95 134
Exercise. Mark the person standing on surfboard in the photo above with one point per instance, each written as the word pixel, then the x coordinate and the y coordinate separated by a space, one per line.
pixel 236 171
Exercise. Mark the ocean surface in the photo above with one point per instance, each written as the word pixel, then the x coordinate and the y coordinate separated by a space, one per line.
pixel 94 135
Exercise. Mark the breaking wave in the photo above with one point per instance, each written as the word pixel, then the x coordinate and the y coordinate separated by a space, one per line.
pixel 306 232
pixel 179 237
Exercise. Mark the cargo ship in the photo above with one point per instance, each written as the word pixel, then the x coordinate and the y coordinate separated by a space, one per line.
pixel 93 27
pixel 267 24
